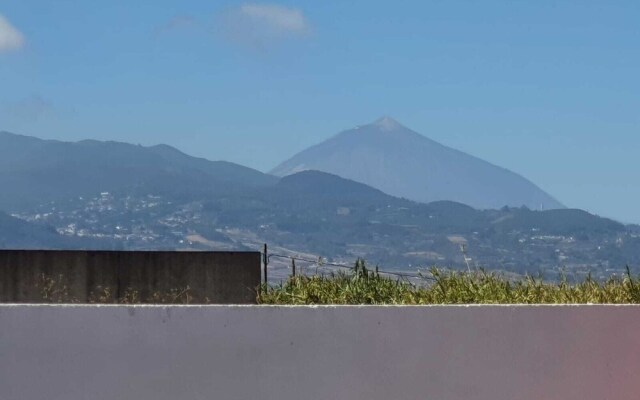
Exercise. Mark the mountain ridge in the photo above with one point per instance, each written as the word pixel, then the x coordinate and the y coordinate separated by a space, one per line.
pixel 46 170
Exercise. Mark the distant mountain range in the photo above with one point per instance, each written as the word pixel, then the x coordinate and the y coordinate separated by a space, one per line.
pixel 110 195
pixel 35 171
pixel 403 163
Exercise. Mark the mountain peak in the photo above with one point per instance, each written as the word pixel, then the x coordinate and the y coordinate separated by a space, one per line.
pixel 403 163
pixel 387 123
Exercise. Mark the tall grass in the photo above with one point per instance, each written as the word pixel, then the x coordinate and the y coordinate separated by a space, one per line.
pixel 362 286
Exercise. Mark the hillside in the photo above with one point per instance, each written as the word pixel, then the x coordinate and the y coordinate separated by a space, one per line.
pixel 322 213
pixel 115 195
pixel 403 163
pixel 35 171
pixel 18 234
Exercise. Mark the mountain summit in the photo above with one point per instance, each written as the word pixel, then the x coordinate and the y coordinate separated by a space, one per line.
pixel 393 158
pixel 388 124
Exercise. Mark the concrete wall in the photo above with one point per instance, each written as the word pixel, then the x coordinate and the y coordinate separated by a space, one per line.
pixel 252 352
pixel 111 276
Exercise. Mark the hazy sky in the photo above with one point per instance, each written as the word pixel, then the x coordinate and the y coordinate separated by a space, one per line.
pixel 550 90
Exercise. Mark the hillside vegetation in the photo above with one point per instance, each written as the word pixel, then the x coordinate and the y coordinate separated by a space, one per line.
pixel 362 286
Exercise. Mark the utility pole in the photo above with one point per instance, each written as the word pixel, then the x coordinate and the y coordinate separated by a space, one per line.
pixel 265 262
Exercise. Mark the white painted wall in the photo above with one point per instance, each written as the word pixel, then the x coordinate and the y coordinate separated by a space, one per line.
pixel 302 353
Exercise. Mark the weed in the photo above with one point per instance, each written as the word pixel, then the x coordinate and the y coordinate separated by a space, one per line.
pixel 361 286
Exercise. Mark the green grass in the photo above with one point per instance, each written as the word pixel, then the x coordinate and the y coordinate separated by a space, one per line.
pixel 361 286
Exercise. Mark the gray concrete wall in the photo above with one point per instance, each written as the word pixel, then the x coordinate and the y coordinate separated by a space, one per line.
pixel 111 276
pixel 281 353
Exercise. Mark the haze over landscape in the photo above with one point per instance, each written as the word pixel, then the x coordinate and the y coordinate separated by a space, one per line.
pixel 548 91
pixel 505 135
pixel 114 195
pixel 305 199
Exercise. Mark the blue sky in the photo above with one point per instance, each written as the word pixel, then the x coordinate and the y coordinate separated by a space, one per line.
pixel 550 90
